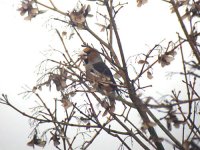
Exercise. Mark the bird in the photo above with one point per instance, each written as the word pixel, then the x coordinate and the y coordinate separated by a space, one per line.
pixel 99 75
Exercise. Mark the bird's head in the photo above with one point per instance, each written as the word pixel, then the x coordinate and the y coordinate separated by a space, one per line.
pixel 90 55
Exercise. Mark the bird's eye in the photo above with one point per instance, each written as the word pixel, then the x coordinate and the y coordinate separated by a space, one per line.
pixel 86 61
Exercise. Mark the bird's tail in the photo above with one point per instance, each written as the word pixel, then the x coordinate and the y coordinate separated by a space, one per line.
pixel 111 98
pixel 109 107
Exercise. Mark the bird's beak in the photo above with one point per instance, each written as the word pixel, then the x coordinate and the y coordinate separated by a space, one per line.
pixel 82 55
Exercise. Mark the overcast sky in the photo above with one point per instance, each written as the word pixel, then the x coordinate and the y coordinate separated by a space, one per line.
pixel 21 43
pixel 20 46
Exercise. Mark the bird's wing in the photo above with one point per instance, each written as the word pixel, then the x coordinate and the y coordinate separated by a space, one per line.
pixel 102 68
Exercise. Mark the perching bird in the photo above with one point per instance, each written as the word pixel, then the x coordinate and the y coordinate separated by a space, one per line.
pixel 99 75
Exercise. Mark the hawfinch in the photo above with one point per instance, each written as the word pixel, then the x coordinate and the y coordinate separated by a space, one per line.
pixel 99 75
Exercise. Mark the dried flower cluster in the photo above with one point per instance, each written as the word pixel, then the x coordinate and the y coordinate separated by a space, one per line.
pixel 141 2
pixel 59 79
pixel 78 17
pixel 55 138
pixel 167 58
pixel 30 8
pixel 172 118
pixel 36 141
